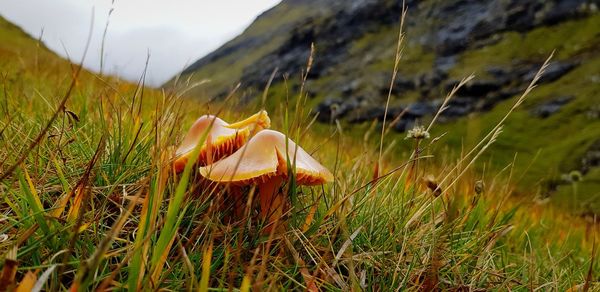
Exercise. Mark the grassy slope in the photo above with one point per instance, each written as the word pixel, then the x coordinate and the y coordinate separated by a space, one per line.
pixel 525 135
pixel 403 236
pixel 548 147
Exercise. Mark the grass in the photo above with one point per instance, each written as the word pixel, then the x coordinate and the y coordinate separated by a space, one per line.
pixel 546 157
pixel 95 203
pixel 542 153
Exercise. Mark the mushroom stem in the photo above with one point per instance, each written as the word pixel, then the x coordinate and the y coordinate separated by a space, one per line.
pixel 272 202
pixel 238 205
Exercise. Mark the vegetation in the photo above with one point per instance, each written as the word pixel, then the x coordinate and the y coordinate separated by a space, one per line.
pixel 89 200
pixel 362 75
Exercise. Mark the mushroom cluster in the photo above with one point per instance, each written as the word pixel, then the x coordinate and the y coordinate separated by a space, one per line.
pixel 232 155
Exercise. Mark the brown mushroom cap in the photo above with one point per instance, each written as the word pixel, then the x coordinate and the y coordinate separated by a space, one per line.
pixel 264 157
pixel 221 140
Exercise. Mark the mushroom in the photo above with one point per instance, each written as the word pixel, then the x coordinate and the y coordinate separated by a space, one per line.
pixel 264 161
pixel 221 140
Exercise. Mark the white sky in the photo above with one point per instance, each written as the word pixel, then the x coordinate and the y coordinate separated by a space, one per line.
pixel 175 33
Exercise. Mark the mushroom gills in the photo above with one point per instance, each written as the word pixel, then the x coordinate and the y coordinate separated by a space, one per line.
pixel 222 139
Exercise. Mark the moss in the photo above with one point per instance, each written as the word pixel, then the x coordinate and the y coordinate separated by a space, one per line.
pixel 568 39
pixel 544 148
pixel 415 60
pixel 280 15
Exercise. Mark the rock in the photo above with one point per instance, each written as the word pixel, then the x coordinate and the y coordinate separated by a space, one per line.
pixel 412 111
pixel 406 84
pixel 420 109
pixel 468 21
pixel 350 87
pixel 374 113
pixel 548 108
pixel 494 98
pixel 478 88
pixel 405 124
pixel 520 15
pixel 445 63
pixel 366 114
pixel 484 28
pixel 333 108
pixel 483 95
pixel 458 107
pixel 400 84
pixel 430 79
pixel 563 10
pixel 513 74
pixel 452 35
pixel 554 71
pixel 591 158
pixel 497 72
pixel 489 41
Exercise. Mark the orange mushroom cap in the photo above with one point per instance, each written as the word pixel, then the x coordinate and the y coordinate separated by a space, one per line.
pixel 222 138
pixel 265 156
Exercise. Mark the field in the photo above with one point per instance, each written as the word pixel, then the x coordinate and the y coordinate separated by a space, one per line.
pixel 89 200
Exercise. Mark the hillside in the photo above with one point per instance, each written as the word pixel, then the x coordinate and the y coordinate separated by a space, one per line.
pixel 502 42
pixel 89 200
pixel 26 60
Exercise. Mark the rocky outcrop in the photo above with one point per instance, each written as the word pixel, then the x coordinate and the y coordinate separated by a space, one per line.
pixel 333 108
pixel 476 96
pixel 461 23
pixel 591 158
pixel 454 26
pixel 549 108
pixel 474 20
pixel 333 34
